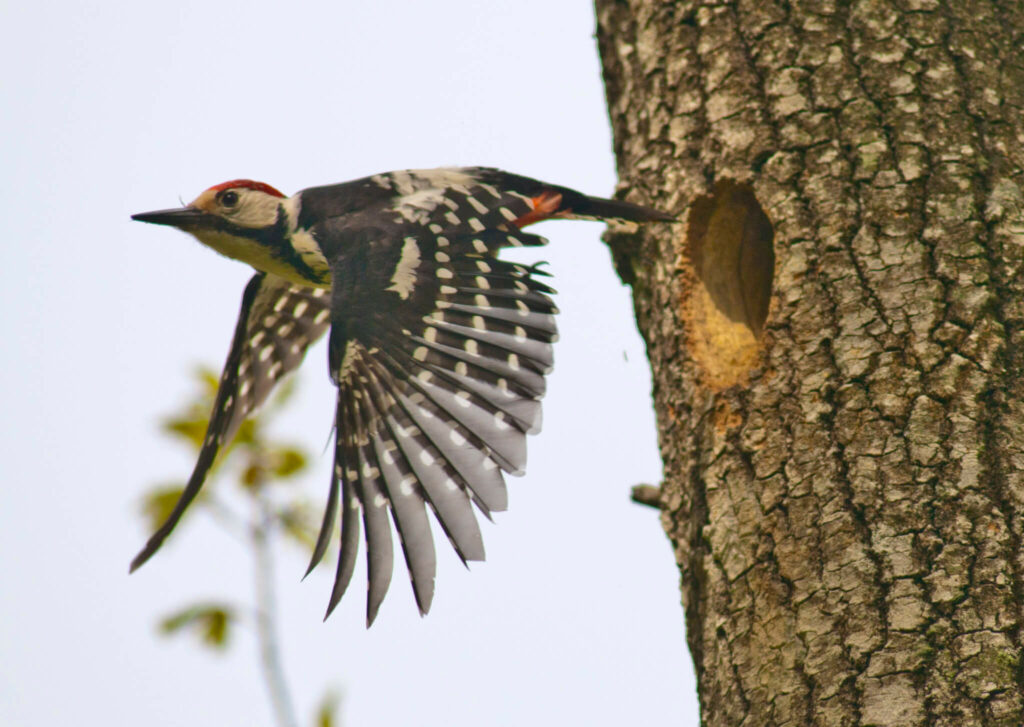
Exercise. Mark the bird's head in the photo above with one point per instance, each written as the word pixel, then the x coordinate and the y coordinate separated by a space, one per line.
pixel 239 205
pixel 248 221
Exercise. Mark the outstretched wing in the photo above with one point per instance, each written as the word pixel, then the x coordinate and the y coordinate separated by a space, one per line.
pixel 277 323
pixel 439 351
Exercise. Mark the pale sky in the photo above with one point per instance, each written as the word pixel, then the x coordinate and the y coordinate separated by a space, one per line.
pixel 108 109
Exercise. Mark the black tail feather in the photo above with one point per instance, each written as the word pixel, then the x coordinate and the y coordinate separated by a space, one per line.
pixel 613 209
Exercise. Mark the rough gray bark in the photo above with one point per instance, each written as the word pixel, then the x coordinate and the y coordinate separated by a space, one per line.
pixel 844 489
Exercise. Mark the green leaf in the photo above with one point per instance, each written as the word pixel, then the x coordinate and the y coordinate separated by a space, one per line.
pixel 189 428
pixel 299 523
pixel 284 393
pixel 248 432
pixel 209 379
pixel 288 461
pixel 327 713
pixel 158 502
pixel 210 622
pixel 253 476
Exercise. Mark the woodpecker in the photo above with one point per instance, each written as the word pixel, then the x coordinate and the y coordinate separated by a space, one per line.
pixel 437 347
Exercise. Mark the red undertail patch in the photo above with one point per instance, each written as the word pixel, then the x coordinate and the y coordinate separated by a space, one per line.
pixel 544 205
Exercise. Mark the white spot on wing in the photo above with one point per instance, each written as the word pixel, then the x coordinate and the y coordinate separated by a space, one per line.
pixel 417 206
pixel 490 190
pixel 347 361
pixel 404 279
pixel 476 205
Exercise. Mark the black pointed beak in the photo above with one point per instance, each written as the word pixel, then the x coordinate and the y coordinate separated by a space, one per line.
pixel 182 217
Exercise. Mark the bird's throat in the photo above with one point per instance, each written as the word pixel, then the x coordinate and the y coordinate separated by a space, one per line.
pixel 297 258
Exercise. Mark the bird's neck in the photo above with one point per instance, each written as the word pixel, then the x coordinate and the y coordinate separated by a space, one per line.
pixel 282 249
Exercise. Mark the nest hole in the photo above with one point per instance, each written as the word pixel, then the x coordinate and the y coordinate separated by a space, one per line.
pixel 730 246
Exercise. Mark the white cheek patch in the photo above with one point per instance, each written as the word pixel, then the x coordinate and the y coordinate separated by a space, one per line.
pixel 404 279
pixel 255 210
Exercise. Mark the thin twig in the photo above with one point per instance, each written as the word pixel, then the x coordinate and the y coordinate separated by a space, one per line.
pixel 226 517
pixel 646 495
pixel 266 618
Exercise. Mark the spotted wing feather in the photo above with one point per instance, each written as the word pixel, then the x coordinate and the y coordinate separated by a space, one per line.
pixel 439 382
pixel 439 350
pixel 276 325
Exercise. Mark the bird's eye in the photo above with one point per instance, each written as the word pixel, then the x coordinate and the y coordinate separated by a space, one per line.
pixel 229 198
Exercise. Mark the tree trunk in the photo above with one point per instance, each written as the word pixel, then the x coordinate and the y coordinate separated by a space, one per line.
pixel 835 335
